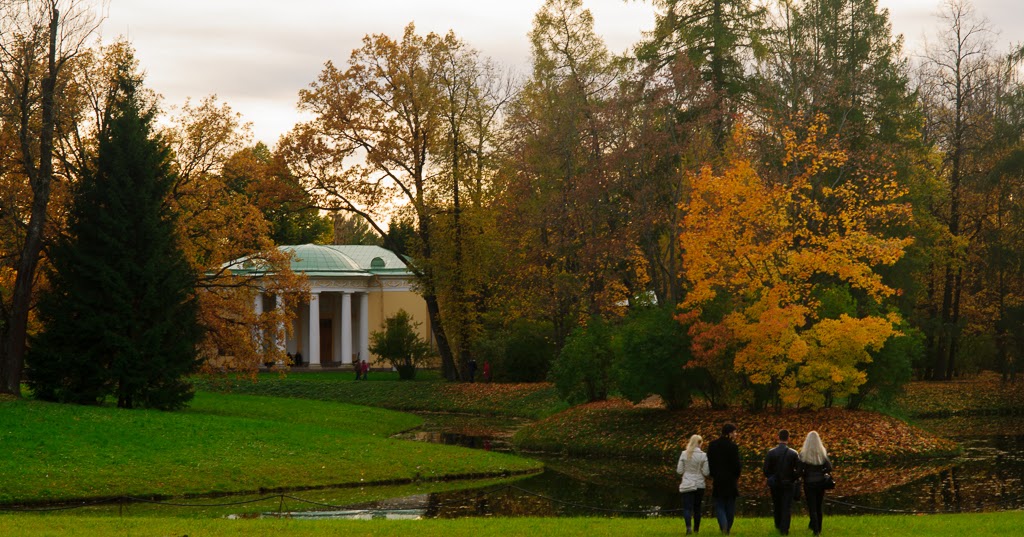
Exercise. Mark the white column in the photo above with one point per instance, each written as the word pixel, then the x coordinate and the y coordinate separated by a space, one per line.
pixel 257 333
pixel 364 326
pixel 257 303
pixel 282 334
pixel 314 330
pixel 346 327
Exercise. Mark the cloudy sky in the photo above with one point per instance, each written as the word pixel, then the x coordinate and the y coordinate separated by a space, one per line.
pixel 257 54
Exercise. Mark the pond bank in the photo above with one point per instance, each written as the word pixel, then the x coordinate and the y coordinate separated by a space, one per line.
pixel 981 394
pixel 986 476
pixel 615 429
pixel 980 525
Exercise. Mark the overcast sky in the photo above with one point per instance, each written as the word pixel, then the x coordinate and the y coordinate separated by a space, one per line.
pixel 257 54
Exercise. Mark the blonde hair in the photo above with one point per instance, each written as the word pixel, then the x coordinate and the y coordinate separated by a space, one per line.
pixel 694 443
pixel 813 451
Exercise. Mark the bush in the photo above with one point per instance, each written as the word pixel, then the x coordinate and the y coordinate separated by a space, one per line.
pixel 651 350
pixel 891 367
pixel 582 371
pixel 400 345
pixel 520 352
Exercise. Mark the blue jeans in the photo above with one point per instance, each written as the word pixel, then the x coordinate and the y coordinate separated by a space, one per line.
pixel 725 511
pixel 692 507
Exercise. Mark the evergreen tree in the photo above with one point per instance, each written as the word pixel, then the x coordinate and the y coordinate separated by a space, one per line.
pixel 120 317
pixel 716 37
pixel 840 58
pixel 351 229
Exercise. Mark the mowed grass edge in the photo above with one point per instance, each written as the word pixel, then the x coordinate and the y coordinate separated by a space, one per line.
pixel 983 524
pixel 221 444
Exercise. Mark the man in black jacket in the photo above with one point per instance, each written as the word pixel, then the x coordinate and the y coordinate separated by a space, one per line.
pixel 725 466
pixel 780 469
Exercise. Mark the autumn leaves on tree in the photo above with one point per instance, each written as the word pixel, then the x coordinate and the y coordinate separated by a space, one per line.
pixel 761 251
pixel 819 215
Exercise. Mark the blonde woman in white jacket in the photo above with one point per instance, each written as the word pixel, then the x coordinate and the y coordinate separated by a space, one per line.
pixel 693 466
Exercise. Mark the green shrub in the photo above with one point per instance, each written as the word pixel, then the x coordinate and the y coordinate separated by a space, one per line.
pixel 520 352
pixel 651 350
pixel 400 345
pixel 583 370
pixel 891 367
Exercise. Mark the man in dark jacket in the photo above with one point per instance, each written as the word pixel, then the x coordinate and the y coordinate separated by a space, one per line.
pixel 780 466
pixel 725 466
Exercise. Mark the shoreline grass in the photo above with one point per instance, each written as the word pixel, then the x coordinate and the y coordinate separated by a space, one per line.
pixel 221 445
pixel 981 524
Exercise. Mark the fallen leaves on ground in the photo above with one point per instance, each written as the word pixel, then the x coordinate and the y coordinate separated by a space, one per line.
pixel 983 393
pixel 616 428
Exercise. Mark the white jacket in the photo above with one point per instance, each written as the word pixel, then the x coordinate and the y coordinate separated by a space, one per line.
pixel 693 471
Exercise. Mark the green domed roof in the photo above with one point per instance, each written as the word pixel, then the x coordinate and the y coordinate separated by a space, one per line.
pixel 316 259
pixel 331 260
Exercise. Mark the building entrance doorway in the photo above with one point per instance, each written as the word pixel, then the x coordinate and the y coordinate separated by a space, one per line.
pixel 326 342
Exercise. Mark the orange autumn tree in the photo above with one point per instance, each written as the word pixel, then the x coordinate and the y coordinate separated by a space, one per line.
pixel 221 231
pixel 759 251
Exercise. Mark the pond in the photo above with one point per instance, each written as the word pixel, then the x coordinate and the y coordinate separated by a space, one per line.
pixel 988 476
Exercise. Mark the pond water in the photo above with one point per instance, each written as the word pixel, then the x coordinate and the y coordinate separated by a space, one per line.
pixel 988 476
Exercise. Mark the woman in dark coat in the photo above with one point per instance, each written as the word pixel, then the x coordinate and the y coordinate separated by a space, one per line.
pixel 813 468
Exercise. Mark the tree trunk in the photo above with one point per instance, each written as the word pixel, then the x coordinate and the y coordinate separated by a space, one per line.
pixel 13 361
pixel 448 367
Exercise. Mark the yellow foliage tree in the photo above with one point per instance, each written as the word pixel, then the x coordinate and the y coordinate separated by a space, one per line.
pixel 756 248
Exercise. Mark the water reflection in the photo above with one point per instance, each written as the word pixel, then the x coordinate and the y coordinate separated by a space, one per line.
pixel 988 477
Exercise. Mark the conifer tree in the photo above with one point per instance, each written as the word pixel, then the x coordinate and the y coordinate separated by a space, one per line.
pixel 120 318
pixel 717 37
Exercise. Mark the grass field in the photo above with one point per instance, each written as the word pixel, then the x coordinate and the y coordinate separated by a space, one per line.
pixel 308 441
pixel 536 400
pixel 995 524
pixel 222 444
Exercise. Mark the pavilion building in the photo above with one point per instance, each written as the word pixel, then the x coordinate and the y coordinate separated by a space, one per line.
pixel 353 289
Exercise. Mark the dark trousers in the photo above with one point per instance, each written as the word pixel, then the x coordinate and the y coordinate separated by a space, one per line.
pixel 692 508
pixel 725 511
pixel 782 506
pixel 815 494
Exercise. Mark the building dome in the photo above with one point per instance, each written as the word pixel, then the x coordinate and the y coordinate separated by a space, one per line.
pixel 316 259
pixel 329 261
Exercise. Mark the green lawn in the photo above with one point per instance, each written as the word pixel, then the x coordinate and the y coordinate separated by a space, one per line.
pixel 222 444
pixel 383 390
pixel 1002 524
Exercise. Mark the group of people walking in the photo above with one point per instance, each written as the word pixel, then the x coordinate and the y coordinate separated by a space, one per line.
pixel 786 472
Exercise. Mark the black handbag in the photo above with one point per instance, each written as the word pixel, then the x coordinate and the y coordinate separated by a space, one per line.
pixel 829 482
